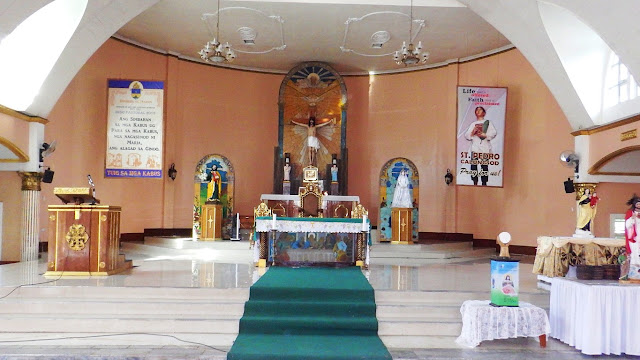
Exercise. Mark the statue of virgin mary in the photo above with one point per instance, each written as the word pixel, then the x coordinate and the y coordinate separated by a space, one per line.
pixel 402 195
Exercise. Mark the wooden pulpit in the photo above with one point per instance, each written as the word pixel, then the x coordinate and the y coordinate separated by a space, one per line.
pixel 84 239
pixel 211 222
pixel 401 225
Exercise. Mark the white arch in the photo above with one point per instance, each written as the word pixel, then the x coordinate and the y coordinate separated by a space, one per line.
pixel 28 54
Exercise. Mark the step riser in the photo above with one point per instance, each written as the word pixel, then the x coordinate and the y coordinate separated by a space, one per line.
pixel 128 293
pixel 104 325
pixel 453 298
pixel 409 319
pixel 399 328
pixel 173 309
pixel 224 341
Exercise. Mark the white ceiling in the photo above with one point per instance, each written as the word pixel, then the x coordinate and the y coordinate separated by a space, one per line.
pixel 316 31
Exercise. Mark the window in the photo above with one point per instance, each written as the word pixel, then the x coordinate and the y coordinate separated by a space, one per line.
pixel 616 226
pixel 619 83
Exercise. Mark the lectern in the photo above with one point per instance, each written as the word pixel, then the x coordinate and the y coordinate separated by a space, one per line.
pixel 84 237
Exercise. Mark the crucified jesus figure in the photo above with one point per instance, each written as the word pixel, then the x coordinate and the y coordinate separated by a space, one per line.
pixel 312 142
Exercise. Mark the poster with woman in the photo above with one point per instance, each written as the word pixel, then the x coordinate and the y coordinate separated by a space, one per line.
pixel 480 135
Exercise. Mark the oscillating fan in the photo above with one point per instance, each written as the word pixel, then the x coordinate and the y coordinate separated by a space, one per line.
pixel 570 159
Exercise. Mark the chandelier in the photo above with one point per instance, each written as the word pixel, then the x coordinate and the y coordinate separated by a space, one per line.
pixel 410 54
pixel 214 51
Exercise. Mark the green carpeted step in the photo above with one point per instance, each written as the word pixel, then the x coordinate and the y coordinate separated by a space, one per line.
pixel 311 314
pixel 271 347
pixel 308 325
pixel 319 308
pixel 309 294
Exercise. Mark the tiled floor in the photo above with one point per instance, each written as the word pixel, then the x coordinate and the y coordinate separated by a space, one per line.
pixel 198 270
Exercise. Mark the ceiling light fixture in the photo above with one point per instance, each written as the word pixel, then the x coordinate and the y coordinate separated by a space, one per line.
pixel 214 50
pixel 410 55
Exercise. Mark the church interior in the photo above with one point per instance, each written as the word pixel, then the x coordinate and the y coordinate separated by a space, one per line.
pixel 167 155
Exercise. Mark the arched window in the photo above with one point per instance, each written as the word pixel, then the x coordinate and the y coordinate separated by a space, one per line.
pixel 28 54
pixel 620 85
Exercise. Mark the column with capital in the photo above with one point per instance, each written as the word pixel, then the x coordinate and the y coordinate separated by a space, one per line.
pixel 30 215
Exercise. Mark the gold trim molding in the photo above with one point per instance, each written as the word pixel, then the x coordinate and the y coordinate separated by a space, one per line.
pixel 22 157
pixel 609 126
pixel 628 135
pixel 30 180
pixel 23 116
pixel 595 168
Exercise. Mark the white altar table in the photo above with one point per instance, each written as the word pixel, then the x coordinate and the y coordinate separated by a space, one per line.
pixel 555 253
pixel 313 240
pixel 596 316
pixel 481 321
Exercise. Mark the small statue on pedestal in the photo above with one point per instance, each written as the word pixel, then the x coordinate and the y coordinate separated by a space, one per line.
pixel 334 172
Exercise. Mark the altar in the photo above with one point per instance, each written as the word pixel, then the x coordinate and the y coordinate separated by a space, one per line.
pixel 333 206
pixel 555 254
pixel 312 241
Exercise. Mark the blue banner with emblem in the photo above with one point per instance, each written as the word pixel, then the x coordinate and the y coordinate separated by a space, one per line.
pixel 134 129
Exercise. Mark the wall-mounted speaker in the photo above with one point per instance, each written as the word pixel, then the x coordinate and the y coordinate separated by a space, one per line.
pixel 568 186
pixel 47 177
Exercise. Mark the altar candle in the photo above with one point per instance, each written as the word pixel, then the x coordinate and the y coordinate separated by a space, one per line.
pixel 273 225
pixel 364 222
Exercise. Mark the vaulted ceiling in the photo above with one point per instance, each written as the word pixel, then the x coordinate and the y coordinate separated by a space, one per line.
pixel 341 34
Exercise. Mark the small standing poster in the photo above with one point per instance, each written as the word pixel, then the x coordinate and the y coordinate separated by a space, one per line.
pixel 480 135
pixel 505 279
pixel 134 129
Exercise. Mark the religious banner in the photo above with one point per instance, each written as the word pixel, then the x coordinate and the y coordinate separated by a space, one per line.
pixel 134 129
pixel 480 135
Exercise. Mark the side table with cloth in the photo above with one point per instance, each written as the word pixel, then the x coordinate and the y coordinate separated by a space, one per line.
pixel 481 321
pixel 555 254
pixel 596 317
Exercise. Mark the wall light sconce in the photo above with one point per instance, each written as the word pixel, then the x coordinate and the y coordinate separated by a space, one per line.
pixel 448 177
pixel 172 171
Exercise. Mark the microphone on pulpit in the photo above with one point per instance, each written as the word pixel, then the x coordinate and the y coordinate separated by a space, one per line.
pixel 93 187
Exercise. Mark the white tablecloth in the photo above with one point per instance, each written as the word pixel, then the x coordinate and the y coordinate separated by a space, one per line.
pixel 596 317
pixel 481 321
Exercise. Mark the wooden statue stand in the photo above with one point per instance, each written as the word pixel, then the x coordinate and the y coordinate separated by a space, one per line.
pixel 211 222
pixel 84 240
pixel 401 225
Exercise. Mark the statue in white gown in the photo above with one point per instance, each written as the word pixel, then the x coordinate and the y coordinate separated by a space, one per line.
pixel 401 194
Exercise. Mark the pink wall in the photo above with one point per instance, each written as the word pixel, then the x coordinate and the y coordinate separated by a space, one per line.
pixel 603 143
pixel 11 198
pixel 16 131
pixel 413 115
